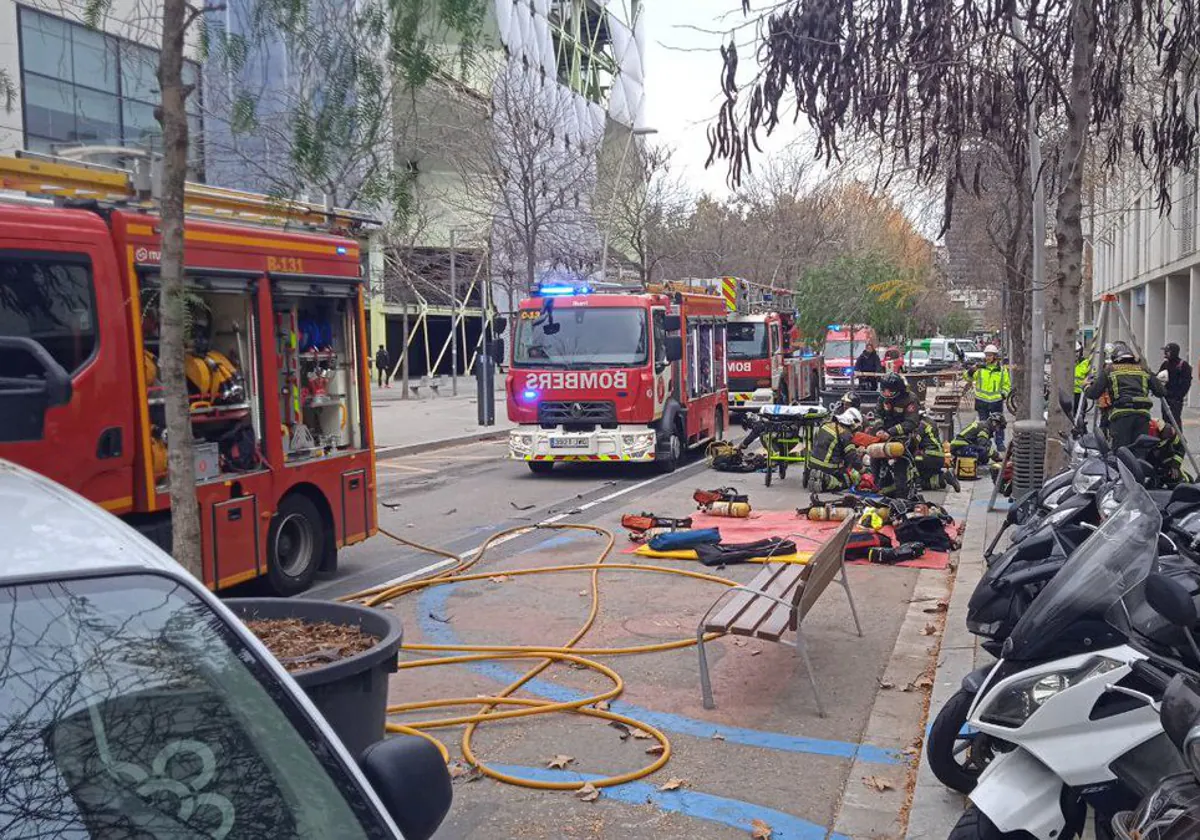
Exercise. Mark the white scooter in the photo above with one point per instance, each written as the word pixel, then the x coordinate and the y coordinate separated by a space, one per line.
pixel 1072 731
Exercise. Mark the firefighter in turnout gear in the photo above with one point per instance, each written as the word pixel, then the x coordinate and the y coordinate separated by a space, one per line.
pixel 977 440
pixel 1168 456
pixel 1131 390
pixel 834 459
pixel 930 460
pixel 992 383
pixel 897 417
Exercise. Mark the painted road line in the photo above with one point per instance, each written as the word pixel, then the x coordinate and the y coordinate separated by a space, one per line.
pixel 434 602
pixel 390 466
pixel 690 803
pixel 467 555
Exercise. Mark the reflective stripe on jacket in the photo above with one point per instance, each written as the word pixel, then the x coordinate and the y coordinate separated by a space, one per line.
pixel 831 447
pixel 1130 388
pixel 992 382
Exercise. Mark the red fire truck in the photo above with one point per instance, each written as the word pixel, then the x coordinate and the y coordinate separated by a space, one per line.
pixel 276 365
pixel 621 375
pixel 765 366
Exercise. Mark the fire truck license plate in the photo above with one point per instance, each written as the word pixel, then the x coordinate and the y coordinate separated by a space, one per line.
pixel 569 443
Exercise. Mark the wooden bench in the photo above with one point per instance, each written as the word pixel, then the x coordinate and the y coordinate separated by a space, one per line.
pixel 777 600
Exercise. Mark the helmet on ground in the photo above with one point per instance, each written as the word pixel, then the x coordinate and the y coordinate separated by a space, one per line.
pixel 991 349
pixel 997 421
pixel 1122 353
pixel 893 382
pixel 851 417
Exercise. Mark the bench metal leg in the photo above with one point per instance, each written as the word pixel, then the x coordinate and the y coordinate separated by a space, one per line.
pixel 802 649
pixel 844 581
pixel 705 685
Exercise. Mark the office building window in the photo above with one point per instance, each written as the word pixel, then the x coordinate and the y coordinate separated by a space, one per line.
pixel 86 87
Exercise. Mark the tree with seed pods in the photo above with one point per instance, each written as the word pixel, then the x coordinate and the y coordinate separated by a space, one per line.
pixel 929 80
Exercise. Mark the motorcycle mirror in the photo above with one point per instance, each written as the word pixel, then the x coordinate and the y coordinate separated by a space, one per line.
pixel 1170 599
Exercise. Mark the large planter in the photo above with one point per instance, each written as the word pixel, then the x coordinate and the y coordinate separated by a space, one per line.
pixel 352 692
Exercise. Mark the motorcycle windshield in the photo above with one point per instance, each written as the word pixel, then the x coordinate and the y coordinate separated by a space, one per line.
pixel 1118 555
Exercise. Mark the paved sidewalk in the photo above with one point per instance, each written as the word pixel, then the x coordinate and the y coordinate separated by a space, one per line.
pixel 427 421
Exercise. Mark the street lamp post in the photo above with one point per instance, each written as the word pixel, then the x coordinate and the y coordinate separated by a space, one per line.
pixel 635 132
pixel 453 318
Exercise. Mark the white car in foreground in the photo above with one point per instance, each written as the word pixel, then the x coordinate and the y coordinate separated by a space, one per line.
pixel 134 704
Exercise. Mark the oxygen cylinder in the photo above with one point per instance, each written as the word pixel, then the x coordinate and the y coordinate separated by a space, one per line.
pixel 886 449
pixel 829 513
pixel 737 510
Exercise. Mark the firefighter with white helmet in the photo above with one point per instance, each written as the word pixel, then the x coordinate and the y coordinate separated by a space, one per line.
pixel 834 458
pixel 992 384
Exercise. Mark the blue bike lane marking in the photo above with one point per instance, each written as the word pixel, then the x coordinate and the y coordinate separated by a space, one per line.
pixel 690 803
pixel 435 600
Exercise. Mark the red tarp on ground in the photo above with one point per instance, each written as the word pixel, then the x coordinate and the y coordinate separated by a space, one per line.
pixel 808 535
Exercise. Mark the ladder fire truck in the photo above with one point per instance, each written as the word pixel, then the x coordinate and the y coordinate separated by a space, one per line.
pixel 276 363
pixel 766 363
pixel 616 374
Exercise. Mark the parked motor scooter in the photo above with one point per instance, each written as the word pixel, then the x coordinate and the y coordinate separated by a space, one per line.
pixel 1074 733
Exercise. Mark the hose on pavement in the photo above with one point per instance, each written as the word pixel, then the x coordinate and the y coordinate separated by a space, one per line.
pixel 502 705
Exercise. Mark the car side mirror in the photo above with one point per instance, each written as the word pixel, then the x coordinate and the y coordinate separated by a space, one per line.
pixel 1170 599
pixel 24 400
pixel 499 325
pixel 674 348
pixel 410 778
pixel 671 323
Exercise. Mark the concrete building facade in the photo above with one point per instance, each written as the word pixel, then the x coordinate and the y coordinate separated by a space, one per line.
pixel 1150 261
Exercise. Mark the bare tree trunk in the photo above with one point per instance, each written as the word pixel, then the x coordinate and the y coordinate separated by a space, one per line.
pixel 1017 270
pixel 1062 308
pixel 185 515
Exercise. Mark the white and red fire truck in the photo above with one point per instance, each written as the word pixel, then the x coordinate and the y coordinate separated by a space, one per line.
pixel 765 366
pixel 621 375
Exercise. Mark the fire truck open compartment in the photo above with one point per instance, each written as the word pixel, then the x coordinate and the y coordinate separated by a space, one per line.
pixel 317 356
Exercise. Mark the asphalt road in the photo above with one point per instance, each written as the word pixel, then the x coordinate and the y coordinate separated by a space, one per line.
pixel 455 498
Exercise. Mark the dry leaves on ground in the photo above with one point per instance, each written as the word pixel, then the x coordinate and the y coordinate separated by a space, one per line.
pixel 939 607
pixel 588 793
pixel 641 734
pixel 717 736
pixel 498 578
pixel 886 684
pixel 672 784
pixel 878 783
pixel 622 729
pixel 759 830
pixel 657 749
pixel 560 762
pixel 603 705
pixel 929 630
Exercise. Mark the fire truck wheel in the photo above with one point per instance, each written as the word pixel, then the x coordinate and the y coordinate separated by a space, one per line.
pixel 671 454
pixel 294 545
pixel 540 467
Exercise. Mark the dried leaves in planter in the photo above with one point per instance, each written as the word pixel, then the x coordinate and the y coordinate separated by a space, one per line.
pixel 300 645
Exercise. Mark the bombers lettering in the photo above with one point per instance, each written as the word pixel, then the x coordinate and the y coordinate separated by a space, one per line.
pixel 578 379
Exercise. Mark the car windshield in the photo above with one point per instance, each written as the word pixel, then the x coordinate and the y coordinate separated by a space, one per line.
pixel 917 355
pixel 581 337
pixel 129 709
pixel 746 341
pixel 1119 554
pixel 842 349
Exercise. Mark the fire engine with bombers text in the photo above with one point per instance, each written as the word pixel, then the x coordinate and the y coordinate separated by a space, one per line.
pixel 276 363
pixel 766 364
pixel 617 375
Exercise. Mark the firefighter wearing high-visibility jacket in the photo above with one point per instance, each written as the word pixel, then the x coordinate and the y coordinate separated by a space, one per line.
pixel 992 383
pixel 1083 369
pixel 1132 391
pixel 834 458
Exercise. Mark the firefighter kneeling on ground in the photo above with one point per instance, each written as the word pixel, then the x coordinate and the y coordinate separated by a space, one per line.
pixel 1167 457
pixel 834 459
pixel 978 440
pixel 929 455
pixel 897 417
pixel 1131 390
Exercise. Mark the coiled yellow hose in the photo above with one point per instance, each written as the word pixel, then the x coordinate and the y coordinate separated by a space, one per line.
pixel 490 706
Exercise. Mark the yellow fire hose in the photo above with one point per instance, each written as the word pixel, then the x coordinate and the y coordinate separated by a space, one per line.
pixel 527 707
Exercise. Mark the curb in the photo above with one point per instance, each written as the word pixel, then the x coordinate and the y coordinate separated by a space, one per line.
pixel 936 808
pixel 385 452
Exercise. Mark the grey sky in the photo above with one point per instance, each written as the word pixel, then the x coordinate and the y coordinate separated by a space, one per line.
pixel 683 67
